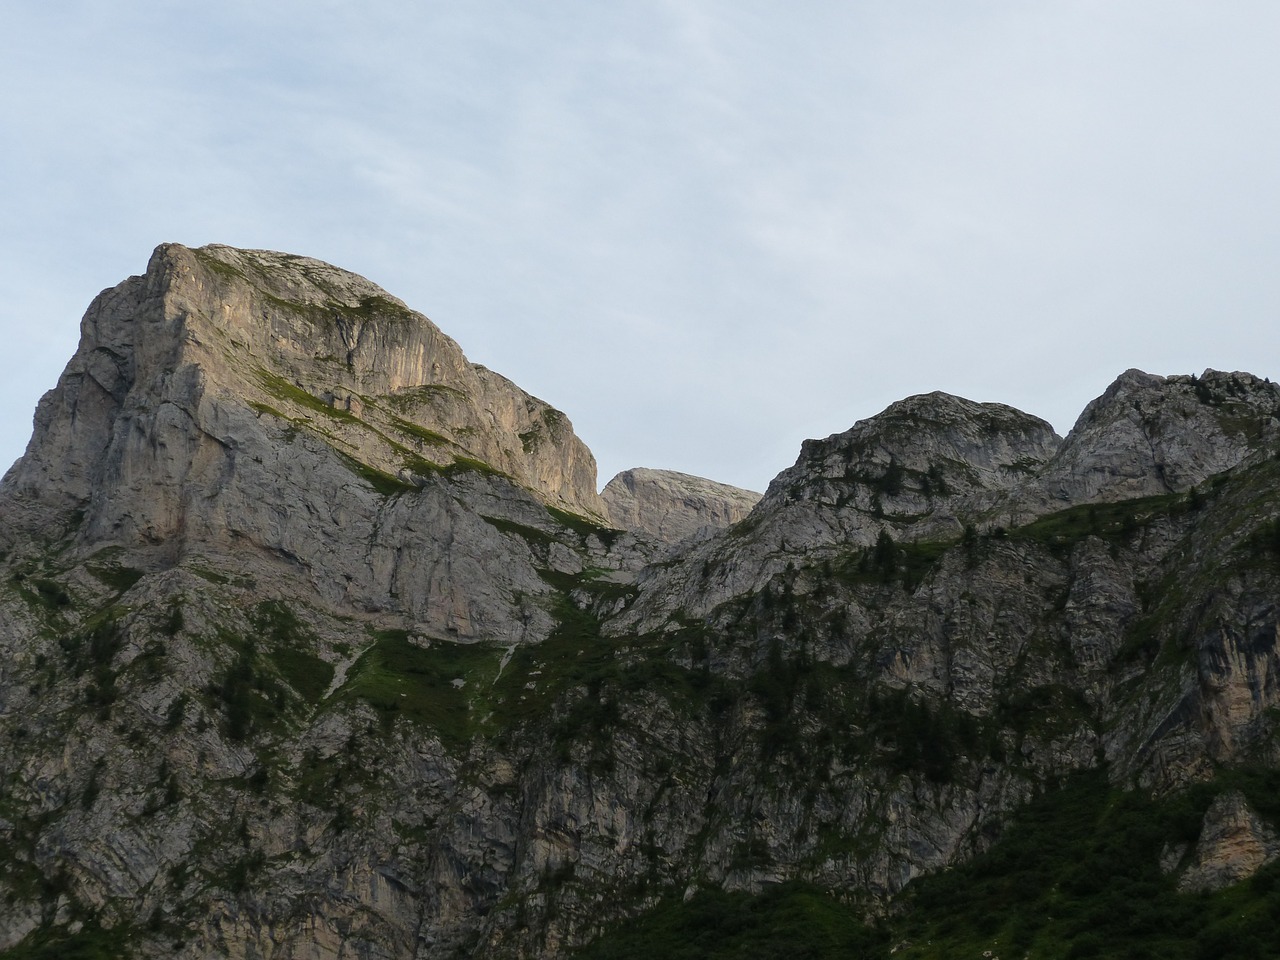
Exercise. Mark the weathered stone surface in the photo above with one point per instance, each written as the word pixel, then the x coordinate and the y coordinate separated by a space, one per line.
pixel 917 453
pixel 296 417
pixel 214 352
pixel 672 506
pixel 1149 435
pixel 1234 844
pixel 911 471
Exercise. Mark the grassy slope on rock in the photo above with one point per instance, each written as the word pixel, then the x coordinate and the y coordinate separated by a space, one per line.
pixel 792 921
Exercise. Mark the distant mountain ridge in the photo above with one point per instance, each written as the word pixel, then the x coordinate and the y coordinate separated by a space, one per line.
pixel 672 506
pixel 317 640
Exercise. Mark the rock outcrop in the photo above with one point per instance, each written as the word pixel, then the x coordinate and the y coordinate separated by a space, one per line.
pixel 268 409
pixel 175 367
pixel 1234 844
pixel 672 506
pixel 1150 436
pixel 919 454
pixel 919 469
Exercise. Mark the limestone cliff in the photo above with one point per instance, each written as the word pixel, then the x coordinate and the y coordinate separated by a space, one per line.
pixel 271 410
pixel 1150 436
pixel 672 506
pixel 1234 843
pixel 314 642
pixel 171 364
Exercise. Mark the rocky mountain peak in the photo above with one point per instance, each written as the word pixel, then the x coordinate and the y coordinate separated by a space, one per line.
pixel 672 506
pixel 310 320
pixel 292 421
pixel 919 469
pixel 214 351
pixel 917 454
pixel 1148 435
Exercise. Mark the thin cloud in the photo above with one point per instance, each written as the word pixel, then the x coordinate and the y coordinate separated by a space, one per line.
pixel 705 230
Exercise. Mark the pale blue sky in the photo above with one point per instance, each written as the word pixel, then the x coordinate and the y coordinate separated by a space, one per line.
pixel 705 230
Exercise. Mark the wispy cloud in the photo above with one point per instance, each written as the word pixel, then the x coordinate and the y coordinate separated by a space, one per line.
pixel 704 229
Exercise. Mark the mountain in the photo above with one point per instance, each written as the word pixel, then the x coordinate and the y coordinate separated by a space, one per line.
pixel 317 641
pixel 673 506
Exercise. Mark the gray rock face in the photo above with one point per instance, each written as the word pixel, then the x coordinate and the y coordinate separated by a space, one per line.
pixel 292 416
pixel 1149 436
pixel 314 643
pixel 917 453
pixel 1234 844
pixel 215 349
pixel 672 506
pixel 916 470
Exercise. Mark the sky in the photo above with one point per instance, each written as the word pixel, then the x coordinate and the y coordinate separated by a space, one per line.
pixel 705 230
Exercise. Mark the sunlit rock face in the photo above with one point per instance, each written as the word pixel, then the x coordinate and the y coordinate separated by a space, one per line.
pixel 262 406
pixel 177 359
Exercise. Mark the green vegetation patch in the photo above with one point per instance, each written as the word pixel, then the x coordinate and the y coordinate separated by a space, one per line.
pixel 417 396
pixel 574 655
pixel 583 526
pixel 891 562
pixel 1113 522
pixel 268 410
pixel 922 736
pixel 290 649
pixel 791 921
pixel 575 679
pixel 283 389
pixel 225 270
pixel 1264 543
pixel 582 681
pixel 305 672
pixel 118 578
pixel 94 649
pixel 472 465
pixel 91 942
pixel 1077 874
pixel 421 433
pixel 275 679
pixel 380 307
pixel 383 483
pixel 402 680
pixel 1043 711
pixel 40 592
pixel 51 593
